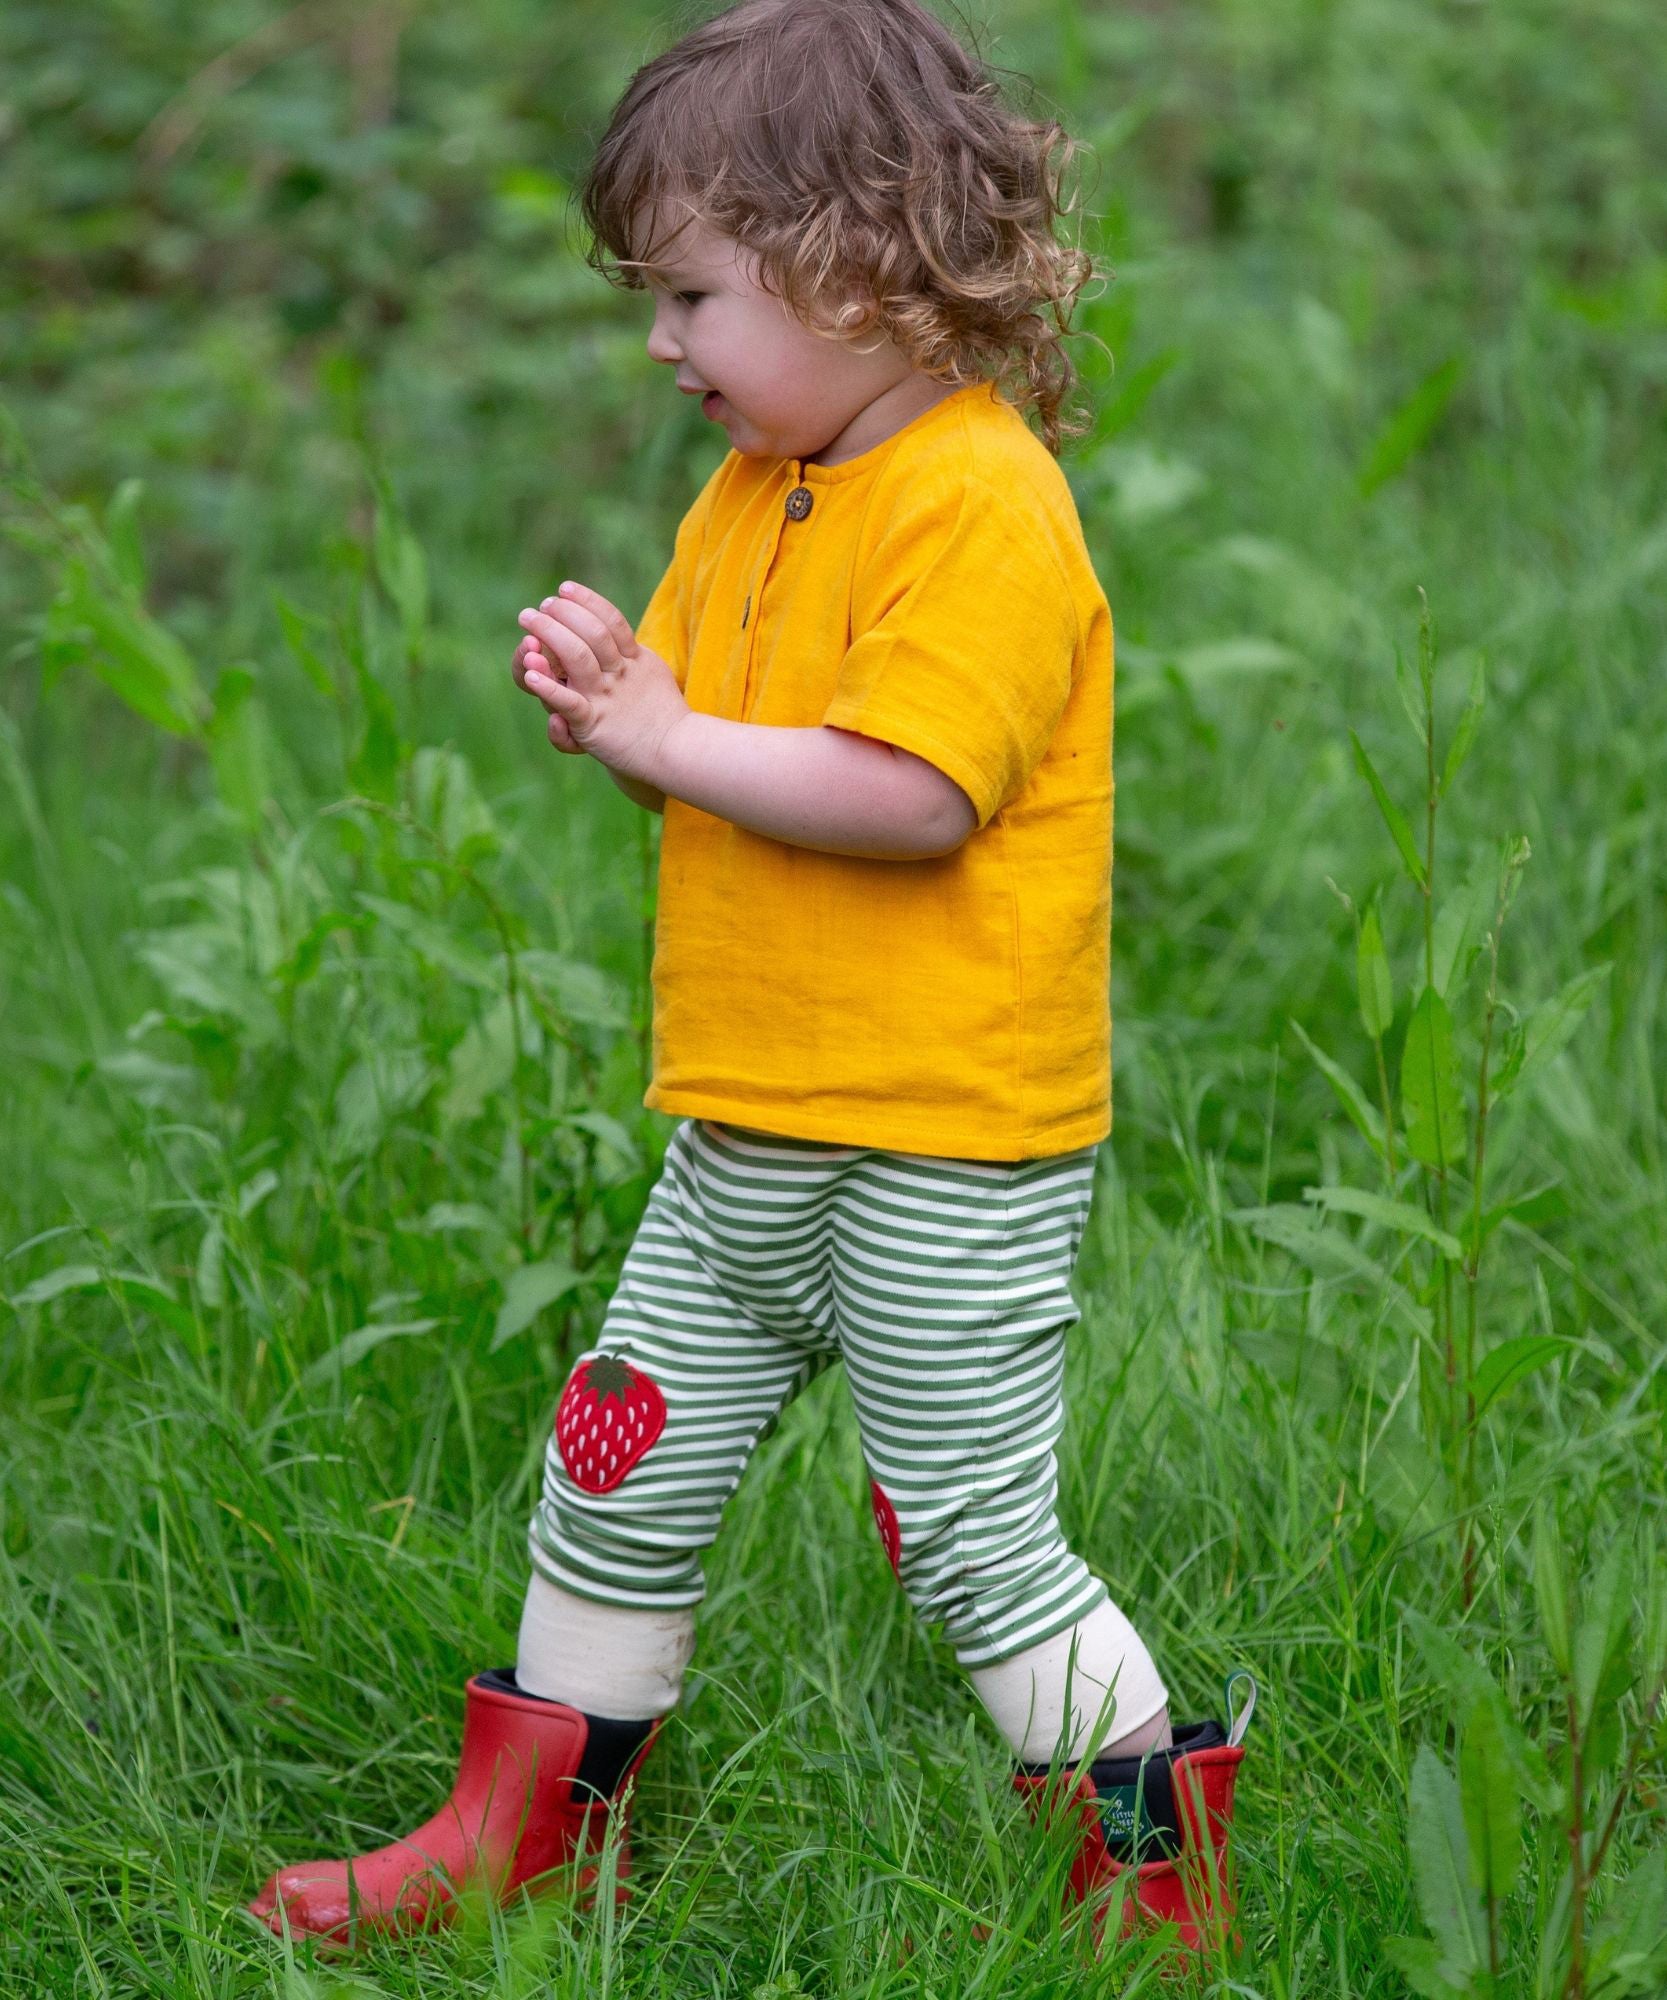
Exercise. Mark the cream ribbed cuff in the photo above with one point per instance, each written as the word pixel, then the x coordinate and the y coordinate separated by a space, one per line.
pixel 607 1659
pixel 1026 1693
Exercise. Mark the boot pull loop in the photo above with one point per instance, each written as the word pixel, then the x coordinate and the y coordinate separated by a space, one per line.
pixel 1238 1724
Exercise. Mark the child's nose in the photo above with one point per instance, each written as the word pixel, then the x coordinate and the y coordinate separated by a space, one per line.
pixel 661 345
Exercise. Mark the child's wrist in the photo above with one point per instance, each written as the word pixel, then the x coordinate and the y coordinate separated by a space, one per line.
pixel 675 756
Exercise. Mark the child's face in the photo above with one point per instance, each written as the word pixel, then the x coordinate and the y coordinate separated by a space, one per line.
pixel 778 389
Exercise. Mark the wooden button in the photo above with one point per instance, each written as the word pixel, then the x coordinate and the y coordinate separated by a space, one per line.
pixel 799 503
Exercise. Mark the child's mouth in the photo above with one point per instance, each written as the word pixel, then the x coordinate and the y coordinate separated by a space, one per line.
pixel 709 403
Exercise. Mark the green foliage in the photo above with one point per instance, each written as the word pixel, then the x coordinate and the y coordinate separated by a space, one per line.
pixel 1409 426
pixel 1432 1096
pixel 1447 1892
pixel 324 1004
pixel 1377 989
pixel 1465 1833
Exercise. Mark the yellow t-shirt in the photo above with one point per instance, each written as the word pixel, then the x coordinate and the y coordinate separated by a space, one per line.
pixel 934 592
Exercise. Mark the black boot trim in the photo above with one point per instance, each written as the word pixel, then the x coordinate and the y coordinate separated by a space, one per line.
pixel 1137 1795
pixel 610 1741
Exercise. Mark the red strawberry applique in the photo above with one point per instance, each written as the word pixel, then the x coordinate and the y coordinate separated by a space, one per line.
pixel 885 1519
pixel 609 1415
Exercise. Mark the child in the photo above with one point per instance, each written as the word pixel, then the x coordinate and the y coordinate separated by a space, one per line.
pixel 872 698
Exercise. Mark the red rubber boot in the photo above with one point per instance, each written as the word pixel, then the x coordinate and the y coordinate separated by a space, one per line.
pixel 1164 1821
pixel 537 1784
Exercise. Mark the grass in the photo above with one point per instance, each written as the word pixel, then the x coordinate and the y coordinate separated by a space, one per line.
pixel 1387 318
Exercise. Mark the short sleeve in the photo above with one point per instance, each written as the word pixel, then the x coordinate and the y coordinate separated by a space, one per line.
pixel 969 657
pixel 666 626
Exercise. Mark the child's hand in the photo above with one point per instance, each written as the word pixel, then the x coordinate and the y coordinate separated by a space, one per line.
pixel 606 694
pixel 530 656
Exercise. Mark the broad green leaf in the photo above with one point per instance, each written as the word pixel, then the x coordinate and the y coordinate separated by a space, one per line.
pixel 1419 1962
pixel 1551 1589
pixel 356 1345
pixel 1492 1808
pixel 138 659
pixel 1468 1682
pixel 1464 733
pixel 1549 1028
pixel 526 1293
pixel 1393 817
pixel 1377 989
pixel 1441 1867
pixel 1507 1364
pixel 1432 1101
pixel 1409 427
pixel 1629 1945
pixel 1401 1217
pixel 1464 1677
pixel 1367 1120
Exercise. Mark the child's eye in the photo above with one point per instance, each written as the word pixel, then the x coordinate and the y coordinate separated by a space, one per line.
pixel 689 298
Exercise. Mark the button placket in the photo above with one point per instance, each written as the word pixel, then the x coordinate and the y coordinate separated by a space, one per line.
pixel 797 505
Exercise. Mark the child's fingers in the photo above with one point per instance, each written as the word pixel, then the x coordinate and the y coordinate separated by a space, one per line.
pixel 602 635
pixel 565 647
pixel 526 655
pixel 612 619
pixel 560 699
pixel 531 657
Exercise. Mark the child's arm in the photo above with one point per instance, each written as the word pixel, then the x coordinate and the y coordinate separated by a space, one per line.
pixel 821 787
pixel 849 794
pixel 649 797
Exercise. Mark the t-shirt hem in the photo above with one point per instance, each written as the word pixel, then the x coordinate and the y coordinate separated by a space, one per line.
pixel 892 1135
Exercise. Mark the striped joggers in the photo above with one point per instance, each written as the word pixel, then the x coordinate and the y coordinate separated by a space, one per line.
pixel 759 1261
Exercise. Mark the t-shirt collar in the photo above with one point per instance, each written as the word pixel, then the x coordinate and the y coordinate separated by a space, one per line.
pixel 803 472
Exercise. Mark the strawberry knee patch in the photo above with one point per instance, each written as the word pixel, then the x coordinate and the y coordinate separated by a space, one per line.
pixel 609 1415
pixel 885 1519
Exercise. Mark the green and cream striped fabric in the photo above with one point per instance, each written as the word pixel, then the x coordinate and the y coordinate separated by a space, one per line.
pixel 943 1285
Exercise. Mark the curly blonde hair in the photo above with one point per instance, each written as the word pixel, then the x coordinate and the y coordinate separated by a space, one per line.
pixel 871 166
